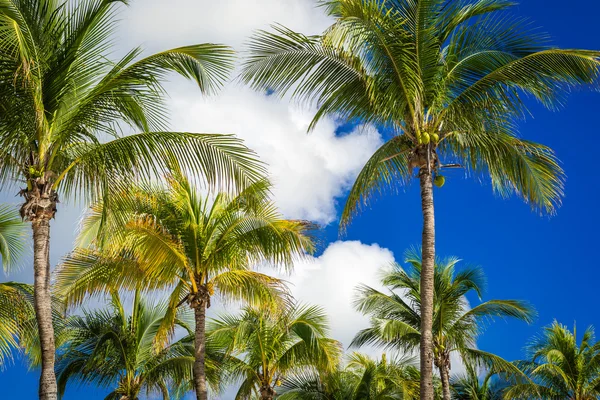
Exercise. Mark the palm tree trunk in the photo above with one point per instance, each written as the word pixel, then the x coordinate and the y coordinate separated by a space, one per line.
pixel 43 306
pixel 445 377
pixel 427 273
pixel 267 393
pixel 200 351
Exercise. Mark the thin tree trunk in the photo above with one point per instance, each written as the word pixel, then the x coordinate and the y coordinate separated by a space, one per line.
pixel 43 306
pixel 427 274
pixel 445 377
pixel 200 352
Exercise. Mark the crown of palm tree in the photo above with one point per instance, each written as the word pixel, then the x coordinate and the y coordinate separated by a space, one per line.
pixel 272 343
pixel 396 317
pixel 115 349
pixel 361 378
pixel 472 386
pixel 155 236
pixel 62 97
pixel 459 70
pixel 559 367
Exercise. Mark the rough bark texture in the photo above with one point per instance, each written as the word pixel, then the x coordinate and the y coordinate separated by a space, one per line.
pixel 427 274
pixel 200 351
pixel 43 305
pixel 267 393
pixel 445 377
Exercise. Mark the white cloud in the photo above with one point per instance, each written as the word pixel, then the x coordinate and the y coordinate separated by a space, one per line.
pixel 165 24
pixel 309 171
pixel 330 281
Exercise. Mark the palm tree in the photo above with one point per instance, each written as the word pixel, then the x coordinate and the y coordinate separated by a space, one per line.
pixel 471 386
pixel 272 343
pixel 61 99
pixel 18 325
pixel 363 378
pixel 115 349
pixel 448 79
pixel 560 368
pixel 396 317
pixel 170 236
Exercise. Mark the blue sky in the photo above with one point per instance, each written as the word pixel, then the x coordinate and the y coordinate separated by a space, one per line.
pixel 548 261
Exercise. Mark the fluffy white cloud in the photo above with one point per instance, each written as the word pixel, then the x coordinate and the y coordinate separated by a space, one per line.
pixel 330 281
pixel 309 171
pixel 164 24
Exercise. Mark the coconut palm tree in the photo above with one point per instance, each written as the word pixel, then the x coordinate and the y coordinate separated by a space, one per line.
pixel 471 386
pixel 18 325
pixel 396 316
pixel 272 343
pixel 559 367
pixel 116 349
pixel 447 79
pixel 363 378
pixel 61 101
pixel 159 236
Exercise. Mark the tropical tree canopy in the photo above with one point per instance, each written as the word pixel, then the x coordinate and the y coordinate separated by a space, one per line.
pixel 12 236
pixel 16 317
pixel 559 367
pixel 475 385
pixel 271 344
pixel 362 378
pixel 449 78
pixel 156 236
pixel 16 300
pixel 395 316
pixel 116 349
pixel 62 97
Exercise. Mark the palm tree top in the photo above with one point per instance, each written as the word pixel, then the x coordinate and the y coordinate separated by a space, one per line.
pixel 456 325
pixel 448 75
pixel 114 348
pixel 63 97
pixel 560 366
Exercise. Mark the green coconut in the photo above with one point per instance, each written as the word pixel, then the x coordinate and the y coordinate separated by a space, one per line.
pixel 425 138
pixel 439 180
pixel 435 137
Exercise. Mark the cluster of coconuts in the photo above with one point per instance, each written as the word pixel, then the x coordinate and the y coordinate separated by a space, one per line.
pixel 425 138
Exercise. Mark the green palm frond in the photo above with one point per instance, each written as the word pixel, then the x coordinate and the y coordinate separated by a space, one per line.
pixel 559 367
pixel 118 351
pixel 12 236
pixel 250 287
pixel 461 70
pixel 388 168
pixel 272 343
pixel 396 321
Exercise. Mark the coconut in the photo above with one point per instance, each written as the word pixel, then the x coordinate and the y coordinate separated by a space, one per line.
pixel 435 137
pixel 425 137
pixel 439 181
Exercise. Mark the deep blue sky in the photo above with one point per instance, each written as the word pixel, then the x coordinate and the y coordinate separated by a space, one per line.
pixel 551 262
